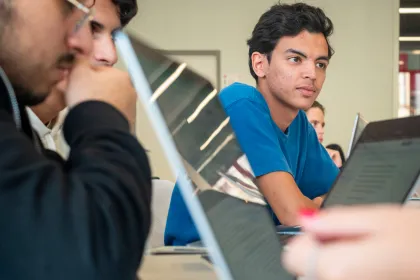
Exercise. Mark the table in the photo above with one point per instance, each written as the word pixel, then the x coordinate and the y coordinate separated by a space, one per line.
pixel 167 267
pixel 188 267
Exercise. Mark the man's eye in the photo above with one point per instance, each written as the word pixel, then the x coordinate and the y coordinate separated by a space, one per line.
pixel 295 59
pixel 321 65
pixel 94 27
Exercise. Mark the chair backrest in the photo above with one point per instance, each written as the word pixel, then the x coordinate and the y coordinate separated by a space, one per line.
pixel 161 198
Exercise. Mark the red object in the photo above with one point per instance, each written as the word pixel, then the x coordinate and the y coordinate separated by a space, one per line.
pixel 403 62
pixel 308 213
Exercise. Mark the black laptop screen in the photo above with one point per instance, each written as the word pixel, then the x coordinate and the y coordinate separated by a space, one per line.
pixel 378 172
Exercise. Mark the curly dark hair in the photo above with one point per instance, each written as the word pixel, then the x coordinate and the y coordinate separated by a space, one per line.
pixel 287 20
pixel 127 10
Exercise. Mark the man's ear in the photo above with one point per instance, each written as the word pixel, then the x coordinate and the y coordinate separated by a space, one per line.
pixel 259 64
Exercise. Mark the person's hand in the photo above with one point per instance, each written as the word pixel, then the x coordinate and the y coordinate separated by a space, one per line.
pixel 102 83
pixel 335 156
pixel 319 200
pixel 361 243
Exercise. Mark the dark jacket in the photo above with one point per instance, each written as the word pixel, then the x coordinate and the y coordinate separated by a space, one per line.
pixel 84 218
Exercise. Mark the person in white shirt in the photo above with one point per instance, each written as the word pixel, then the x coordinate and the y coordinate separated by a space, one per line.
pixel 50 132
pixel 47 118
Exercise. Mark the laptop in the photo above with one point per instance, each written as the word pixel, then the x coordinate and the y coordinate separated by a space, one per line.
pixel 359 125
pixel 383 166
pixel 201 148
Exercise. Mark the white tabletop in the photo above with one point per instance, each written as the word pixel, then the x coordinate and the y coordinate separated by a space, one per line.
pixel 165 267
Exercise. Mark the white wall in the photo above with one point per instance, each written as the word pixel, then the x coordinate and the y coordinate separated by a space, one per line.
pixel 362 75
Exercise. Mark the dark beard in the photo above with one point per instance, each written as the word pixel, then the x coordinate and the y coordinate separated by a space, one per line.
pixel 28 98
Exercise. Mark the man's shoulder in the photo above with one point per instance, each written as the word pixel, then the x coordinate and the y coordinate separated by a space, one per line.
pixel 239 91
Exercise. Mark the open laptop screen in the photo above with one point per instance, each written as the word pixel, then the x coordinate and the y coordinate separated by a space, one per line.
pixel 198 124
pixel 359 125
pixel 383 167
pixel 213 160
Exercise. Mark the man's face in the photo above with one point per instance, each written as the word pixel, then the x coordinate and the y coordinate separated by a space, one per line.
pixel 317 119
pixel 106 20
pixel 297 69
pixel 37 44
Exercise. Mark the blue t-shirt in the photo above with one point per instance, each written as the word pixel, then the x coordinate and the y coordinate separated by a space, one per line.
pixel 269 149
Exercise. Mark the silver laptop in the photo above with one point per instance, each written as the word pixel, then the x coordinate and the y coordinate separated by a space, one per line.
pixel 201 148
pixel 359 125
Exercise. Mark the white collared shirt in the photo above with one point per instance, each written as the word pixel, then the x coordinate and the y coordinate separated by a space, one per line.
pixel 51 138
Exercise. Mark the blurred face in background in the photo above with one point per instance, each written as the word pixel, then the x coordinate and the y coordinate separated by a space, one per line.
pixel 317 118
pixel 103 52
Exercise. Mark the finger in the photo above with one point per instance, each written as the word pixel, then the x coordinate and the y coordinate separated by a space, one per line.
pixel 318 201
pixel 295 257
pixel 306 257
pixel 363 258
pixel 342 222
pixel 62 85
pixel 80 66
pixel 83 64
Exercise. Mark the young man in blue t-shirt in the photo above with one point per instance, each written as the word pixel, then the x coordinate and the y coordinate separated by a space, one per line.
pixel 288 56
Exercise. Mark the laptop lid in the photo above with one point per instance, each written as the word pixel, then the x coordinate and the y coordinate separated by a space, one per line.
pixel 384 166
pixel 359 125
pixel 201 148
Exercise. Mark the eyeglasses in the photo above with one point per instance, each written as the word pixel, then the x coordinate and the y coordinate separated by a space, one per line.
pixel 87 10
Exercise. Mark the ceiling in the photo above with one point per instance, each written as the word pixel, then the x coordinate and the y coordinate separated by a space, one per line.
pixel 409 25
